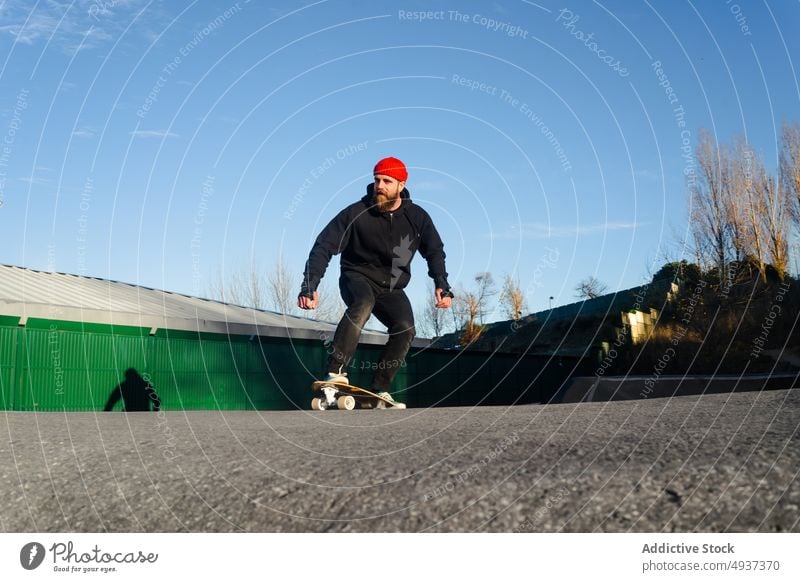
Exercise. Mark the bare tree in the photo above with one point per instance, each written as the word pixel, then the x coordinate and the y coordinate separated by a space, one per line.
pixel 512 298
pixel 790 164
pixel 257 284
pixel 766 206
pixel 737 179
pixel 590 288
pixel 790 168
pixel 710 212
pixel 746 203
pixel 431 322
pixel 228 287
pixel 277 290
pixel 458 309
pixel 738 210
pixel 775 222
pixel 250 286
pixel 485 291
pixel 215 289
pixel 472 329
pixel 282 291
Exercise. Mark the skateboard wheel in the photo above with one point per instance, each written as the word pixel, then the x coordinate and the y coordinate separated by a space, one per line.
pixel 319 404
pixel 346 402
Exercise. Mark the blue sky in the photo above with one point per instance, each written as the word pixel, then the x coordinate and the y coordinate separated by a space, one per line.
pixel 157 142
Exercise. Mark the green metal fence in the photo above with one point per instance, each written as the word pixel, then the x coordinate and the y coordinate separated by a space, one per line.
pixel 50 365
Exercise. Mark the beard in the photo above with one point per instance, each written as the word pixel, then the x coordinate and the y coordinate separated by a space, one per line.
pixel 386 200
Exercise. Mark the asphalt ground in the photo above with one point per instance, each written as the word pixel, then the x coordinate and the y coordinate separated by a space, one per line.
pixel 712 463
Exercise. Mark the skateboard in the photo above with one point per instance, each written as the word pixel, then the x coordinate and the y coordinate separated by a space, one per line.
pixel 347 397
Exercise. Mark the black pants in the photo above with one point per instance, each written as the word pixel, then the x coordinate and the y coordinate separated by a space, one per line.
pixel 364 297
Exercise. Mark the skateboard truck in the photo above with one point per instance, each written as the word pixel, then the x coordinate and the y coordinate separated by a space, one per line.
pixel 330 395
pixel 347 397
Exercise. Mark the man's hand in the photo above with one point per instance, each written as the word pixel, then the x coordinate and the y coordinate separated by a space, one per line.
pixel 305 302
pixel 443 302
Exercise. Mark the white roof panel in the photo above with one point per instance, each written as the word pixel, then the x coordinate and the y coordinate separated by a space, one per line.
pixel 62 296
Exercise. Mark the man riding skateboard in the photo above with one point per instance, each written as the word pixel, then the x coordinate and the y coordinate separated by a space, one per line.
pixel 377 237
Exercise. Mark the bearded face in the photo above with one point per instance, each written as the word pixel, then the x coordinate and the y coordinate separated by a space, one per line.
pixel 387 192
pixel 385 201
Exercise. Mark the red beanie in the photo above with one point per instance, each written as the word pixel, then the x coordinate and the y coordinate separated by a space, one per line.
pixel 393 168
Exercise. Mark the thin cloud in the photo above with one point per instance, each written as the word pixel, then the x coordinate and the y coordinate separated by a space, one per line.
pixel 34 180
pixel 74 26
pixel 538 230
pixel 83 132
pixel 148 133
pixel 648 174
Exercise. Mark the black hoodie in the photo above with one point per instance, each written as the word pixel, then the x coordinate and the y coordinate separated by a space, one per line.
pixel 377 244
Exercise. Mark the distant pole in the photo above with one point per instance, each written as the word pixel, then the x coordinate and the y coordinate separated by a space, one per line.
pixel 551 302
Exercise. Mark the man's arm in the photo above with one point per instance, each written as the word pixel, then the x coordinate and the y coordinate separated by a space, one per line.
pixel 431 248
pixel 113 398
pixel 330 241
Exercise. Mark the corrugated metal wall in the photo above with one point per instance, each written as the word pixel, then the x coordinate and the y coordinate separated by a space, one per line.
pixel 56 366
pixel 8 361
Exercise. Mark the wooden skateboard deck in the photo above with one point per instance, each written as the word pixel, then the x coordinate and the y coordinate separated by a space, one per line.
pixel 348 397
